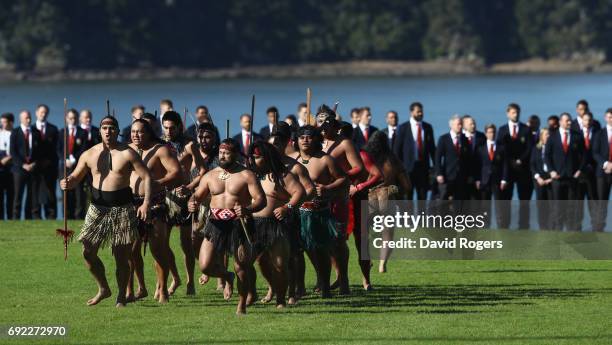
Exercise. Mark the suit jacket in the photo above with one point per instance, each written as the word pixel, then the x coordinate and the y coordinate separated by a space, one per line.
pixel 95 137
pixel 49 148
pixel 391 141
pixel 590 166
pixel 264 132
pixel 358 138
pixel 537 163
pixel 519 148
pixel 80 144
pixel 238 138
pixel 126 135
pixel 18 148
pixel 478 140
pixel 565 164
pixel 491 171
pixel 192 134
pixel 576 127
pixel 450 164
pixel 405 145
pixel 601 151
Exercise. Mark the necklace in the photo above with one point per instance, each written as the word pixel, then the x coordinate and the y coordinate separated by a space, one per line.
pixel 224 175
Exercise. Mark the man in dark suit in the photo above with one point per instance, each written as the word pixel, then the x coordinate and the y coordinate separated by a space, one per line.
pixel 391 129
pixel 515 139
pixel 582 108
pixel 26 152
pixel 6 177
pixel 76 143
pixel 415 147
pixel 272 114
pixel 452 162
pixel 586 182
pixel 564 157
pixel 244 137
pixel 492 170
pixel 602 153
pixel 126 133
pixel 364 129
pixel 91 132
pixel 534 126
pixel 475 139
pixel 45 182
pixel 202 116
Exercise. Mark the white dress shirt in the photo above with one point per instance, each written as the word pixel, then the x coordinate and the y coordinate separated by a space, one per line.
pixel 609 129
pixel 23 129
pixel 87 129
pixel 511 126
pixel 391 130
pixel 42 127
pixel 5 141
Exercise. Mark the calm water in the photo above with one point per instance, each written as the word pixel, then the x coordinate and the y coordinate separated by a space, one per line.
pixel 484 97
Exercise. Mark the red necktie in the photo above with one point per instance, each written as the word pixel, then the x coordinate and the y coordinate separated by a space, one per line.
pixel 514 132
pixel 419 141
pixel 365 134
pixel 71 142
pixel 565 145
pixel 587 141
pixel 247 143
pixel 42 132
pixel 457 144
pixel 470 141
pixel 27 144
pixel 610 150
pixel 491 153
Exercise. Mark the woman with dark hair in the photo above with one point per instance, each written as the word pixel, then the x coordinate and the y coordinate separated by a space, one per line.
pixel 395 183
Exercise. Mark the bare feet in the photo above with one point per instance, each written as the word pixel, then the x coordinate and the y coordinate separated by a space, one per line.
pixel 292 301
pixel 163 297
pixel 268 296
pixel 382 267
pixel 102 294
pixel 251 298
pixel 240 311
pixel 229 287
pixel 203 279
pixel 280 306
pixel 140 294
pixel 220 284
pixel 120 305
pixel 175 284
pixel 190 289
pixel 368 287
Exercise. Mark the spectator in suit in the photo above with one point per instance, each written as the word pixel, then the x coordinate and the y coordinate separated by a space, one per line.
pixel 534 125
pixel 244 137
pixel 272 113
pixel 515 138
pixel 303 117
pixel 6 177
pixel 137 111
pixel 602 153
pixel 391 129
pixel 582 108
pixel 77 142
pixel 564 157
pixel 475 139
pixel 364 130
pixel 26 152
pixel 45 181
pixel 542 181
pixel 91 132
pixel 202 116
pixel 553 123
pixel 415 147
pixel 355 117
pixel 586 181
pixel 492 170
pixel 452 162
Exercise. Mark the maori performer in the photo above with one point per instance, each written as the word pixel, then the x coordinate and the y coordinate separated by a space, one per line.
pixel 111 217
pixel 344 153
pixel 281 139
pixel 166 173
pixel 318 227
pixel 283 194
pixel 235 195
pixel 176 199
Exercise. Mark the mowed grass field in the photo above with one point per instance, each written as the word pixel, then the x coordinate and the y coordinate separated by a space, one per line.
pixel 417 302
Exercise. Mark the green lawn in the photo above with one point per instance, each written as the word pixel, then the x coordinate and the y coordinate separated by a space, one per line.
pixel 429 302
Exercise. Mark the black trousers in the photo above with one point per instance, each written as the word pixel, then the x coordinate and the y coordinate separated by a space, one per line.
pixel 544 205
pixel 490 195
pixel 587 189
pixel 603 184
pixel 44 198
pixel 419 178
pixel 6 193
pixel 522 180
pixel 565 194
pixel 22 182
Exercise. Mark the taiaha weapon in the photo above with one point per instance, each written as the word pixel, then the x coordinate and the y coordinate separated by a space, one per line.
pixel 308 99
pixel 336 106
pixel 242 221
pixel 227 129
pixel 65 232
pixel 108 107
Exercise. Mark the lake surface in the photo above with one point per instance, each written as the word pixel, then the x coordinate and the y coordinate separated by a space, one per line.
pixel 484 97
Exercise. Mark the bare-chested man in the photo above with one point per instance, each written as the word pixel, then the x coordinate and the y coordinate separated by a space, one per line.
pixel 111 217
pixel 283 194
pixel 318 227
pixel 235 195
pixel 281 139
pixel 349 161
pixel 166 173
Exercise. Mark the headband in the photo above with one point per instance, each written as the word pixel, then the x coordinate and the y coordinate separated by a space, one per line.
pixel 257 151
pixel 109 120
pixel 226 146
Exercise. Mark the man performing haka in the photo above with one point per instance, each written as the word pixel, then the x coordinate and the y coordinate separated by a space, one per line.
pixel 111 217
pixel 281 138
pixel 176 199
pixel 318 228
pixel 283 193
pixel 235 195
pixel 166 173
pixel 344 153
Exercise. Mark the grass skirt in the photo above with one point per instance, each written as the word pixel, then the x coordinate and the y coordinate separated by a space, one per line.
pixel 227 235
pixel 267 231
pixel 116 225
pixel 318 229
pixel 178 214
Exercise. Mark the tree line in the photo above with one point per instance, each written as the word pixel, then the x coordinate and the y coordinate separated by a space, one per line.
pixel 108 34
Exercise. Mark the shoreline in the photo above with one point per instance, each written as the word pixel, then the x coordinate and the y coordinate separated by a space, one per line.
pixel 369 68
